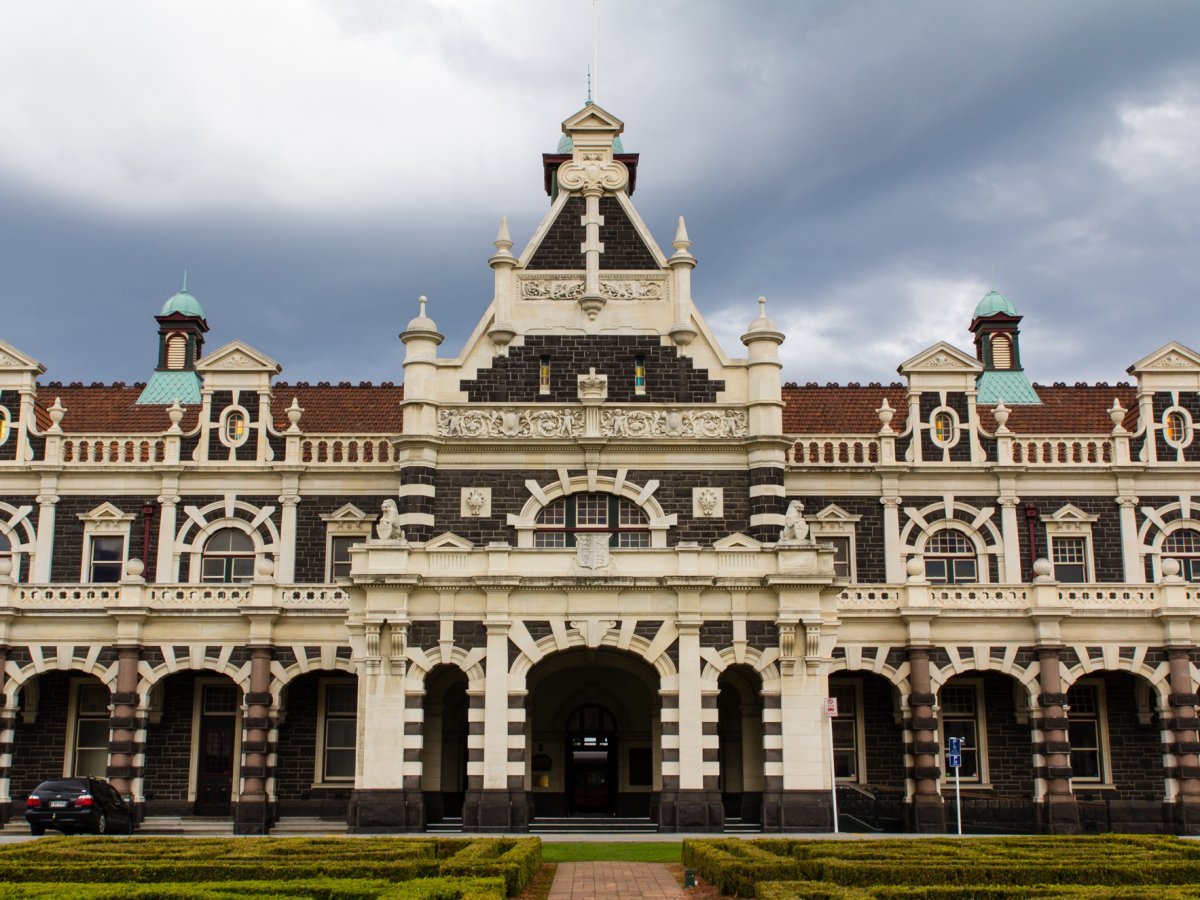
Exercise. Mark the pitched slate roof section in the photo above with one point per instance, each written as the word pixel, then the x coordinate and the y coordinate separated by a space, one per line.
pixel 624 248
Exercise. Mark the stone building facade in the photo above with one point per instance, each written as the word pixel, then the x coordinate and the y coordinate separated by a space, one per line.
pixel 593 566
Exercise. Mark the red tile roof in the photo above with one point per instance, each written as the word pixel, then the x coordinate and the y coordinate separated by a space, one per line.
pixel 841 409
pixel 328 409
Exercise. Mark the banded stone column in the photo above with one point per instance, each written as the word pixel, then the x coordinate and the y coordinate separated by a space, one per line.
pixel 252 815
pixel 1060 810
pixel 928 810
pixel 122 740
pixel 1186 748
pixel 7 727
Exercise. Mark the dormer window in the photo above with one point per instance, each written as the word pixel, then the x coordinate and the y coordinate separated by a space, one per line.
pixel 943 428
pixel 1001 351
pixel 177 351
pixel 1177 427
pixel 639 375
pixel 233 427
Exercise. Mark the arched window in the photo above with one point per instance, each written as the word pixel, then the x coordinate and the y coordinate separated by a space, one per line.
pixel 1184 545
pixel 176 351
pixel 1176 428
pixel 1001 351
pixel 560 521
pixel 233 429
pixel 591 725
pixel 4 425
pixel 950 558
pixel 228 557
pixel 944 431
pixel 5 547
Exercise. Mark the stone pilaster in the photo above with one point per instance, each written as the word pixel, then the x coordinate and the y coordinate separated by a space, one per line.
pixel 1059 809
pixel 1186 748
pixel 122 741
pixel 253 813
pixel 928 809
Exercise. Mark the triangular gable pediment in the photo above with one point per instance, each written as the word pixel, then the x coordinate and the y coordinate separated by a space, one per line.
pixel 833 513
pixel 106 512
pixel 1069 514
pixel 448 541
pixel 737 541
pixel 592 118
pixel 237 356
pixel 941 357
pixel 14 360
pixel 1171 357
pixel 348 513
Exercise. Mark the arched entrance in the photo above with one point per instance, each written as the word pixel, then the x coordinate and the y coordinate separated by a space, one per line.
pixel 444 753
pixel 739 728
pixel 593 734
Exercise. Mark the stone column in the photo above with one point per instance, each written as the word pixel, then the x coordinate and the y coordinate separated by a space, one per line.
pixel 1059 808
pixel 253 814
pixel 43 554
pixel 928 810
pixel 1131 559
pixel 7 726
pixel 122 746
pixel 696 805
pixel 164 570
pixel 494 805
pixel 892 550
pixel 1186 748
pixel 286 573
pixel 1010 529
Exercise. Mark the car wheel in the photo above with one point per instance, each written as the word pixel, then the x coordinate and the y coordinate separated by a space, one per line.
pixel 37 830
pixel 102 824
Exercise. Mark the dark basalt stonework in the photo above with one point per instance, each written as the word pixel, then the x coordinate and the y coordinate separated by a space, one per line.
pixel 386 811
pixel 623 247
pixel 670 377
pixel 496 811
pixel 691 811
pixel 803 811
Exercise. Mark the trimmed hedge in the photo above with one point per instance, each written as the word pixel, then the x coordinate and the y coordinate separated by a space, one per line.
pixel 1122 866
pixel 315 889
pixel 815 890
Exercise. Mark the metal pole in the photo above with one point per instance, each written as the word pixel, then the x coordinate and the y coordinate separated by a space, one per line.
pixel 832 777
pixel 957 801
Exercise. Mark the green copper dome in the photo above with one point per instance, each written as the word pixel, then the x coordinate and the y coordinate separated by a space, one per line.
pixel 183 303
pixel 566 145
pixel 994 302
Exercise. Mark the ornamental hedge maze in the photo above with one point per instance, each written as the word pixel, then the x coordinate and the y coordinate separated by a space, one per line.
pixel 1148 867
pixel 308 868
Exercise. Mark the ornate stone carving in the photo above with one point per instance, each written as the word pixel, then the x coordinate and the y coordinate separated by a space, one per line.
pixel 795 528
pixel 707 502
pixel 476 502
pixel 389 527
pixel 672 423
pixel 552 290
pixel 9 362
pixel 941 361
pixel 572 289
pixel 592 173
pixel 236 361
pixel 593 386
pixel 787 640
pixel 1172 360
pixel 631 290
pixel 591 550
pixel 513 423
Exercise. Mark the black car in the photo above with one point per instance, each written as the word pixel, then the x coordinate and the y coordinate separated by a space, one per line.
pixel 73 805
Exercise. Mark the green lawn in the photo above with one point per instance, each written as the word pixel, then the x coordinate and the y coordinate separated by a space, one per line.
pixel 616 851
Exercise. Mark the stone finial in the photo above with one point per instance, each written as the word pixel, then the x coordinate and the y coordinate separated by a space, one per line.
pixel 915 568
pixel 57 411
pixel 175 414
pixel 134 568
pixel 1116 412
pixel 1001 413
pixel 6 567
pixel 885 413
pixel 1042 570
pixel 681 243
pixel 1171 569
pixel 503 242
pixel 294 412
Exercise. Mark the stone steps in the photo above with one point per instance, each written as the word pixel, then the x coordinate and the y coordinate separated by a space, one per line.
pixel 448 825
pixel 592 825
pixel 308 825
pixel 186 825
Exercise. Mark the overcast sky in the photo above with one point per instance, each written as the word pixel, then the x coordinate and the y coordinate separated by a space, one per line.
pixel 872 168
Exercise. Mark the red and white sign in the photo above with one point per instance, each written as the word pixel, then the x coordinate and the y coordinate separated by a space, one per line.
pixel 831 707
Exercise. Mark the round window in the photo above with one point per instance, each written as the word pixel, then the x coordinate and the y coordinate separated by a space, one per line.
pixel 233 428
pixel 944 428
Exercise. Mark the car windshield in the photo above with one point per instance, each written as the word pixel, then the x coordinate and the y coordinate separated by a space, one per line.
pixel 63 785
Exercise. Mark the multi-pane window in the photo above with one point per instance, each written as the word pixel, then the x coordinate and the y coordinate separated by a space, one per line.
pixel 340 730
pixel 91 731
pixel 1175 428
pixel 339 555
pixel 5 547
pixel 950 558
pixel 544 375
pixel 1084 731
pixel 235 428
pixel 1070 559
pixel 560 522
pixel 1184 545
pixel 228 557
pixel 106 559
pixel 639 375
pixel 845 732
pixel 960 719
pixel 4 424
pixel 841 555
pixel 943 429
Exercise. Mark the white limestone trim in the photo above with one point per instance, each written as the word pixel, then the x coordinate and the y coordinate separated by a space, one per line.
pixel 981 530
pixel 416 490
pixel 200 523
pixel 63 660
pixel 768 490
pixel 21 534
pixel 106 520
pixel 652 652
pixel 1155 529
pixel 525 522
pixel 196 660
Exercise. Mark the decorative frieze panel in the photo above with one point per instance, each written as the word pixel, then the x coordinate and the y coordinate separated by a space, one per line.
pixel 539 422
pixel 610 289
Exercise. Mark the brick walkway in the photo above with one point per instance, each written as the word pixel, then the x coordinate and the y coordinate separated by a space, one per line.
pixel 606 880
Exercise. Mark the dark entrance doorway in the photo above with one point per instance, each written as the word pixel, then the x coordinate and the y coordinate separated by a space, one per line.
pixel 214 759
pixel 444 756
pixel 592 760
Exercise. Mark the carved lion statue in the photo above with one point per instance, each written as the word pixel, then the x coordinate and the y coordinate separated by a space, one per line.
pixel 389 527
pixel 795 528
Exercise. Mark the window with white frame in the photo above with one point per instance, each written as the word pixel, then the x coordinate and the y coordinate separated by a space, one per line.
pixel 338 730
pixel 6 551
pixel 228 557
pixel 950 558
pixel 834 526
pixel 560 521
pixel 89 751
pixel 962 718
pixel 344 528
pixel 847 732
pixel 105 544
pixel 234 428
pixel 5 424
pixel 1069 537
pixel 1177 427
pixel 943 427
pixel 1184 545
pixel 1086 732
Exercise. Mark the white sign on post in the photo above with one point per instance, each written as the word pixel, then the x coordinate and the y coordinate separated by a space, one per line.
pixel 831 712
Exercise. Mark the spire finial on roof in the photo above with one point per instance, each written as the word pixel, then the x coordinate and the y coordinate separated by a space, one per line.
pixel 681 241
pixel 422 300
pixel 762 307
pixel 185 281
pixel 503 238
pixel 589 81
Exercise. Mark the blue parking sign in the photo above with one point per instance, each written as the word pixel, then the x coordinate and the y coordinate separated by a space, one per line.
pixel 954 753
